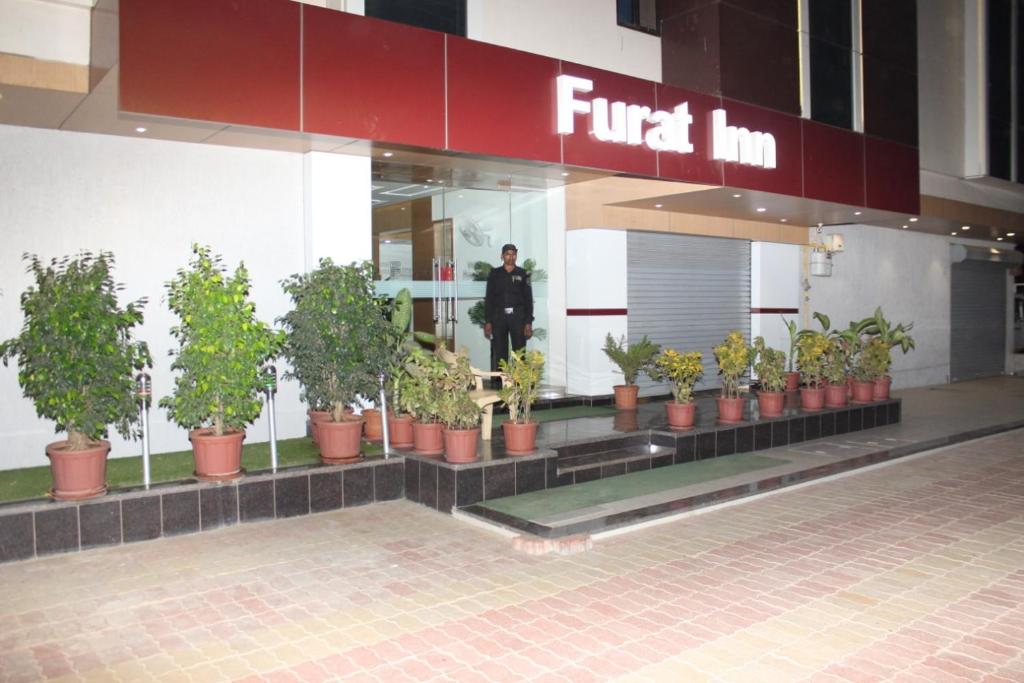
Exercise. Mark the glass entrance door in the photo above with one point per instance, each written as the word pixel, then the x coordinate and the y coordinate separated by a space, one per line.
pixel 443 243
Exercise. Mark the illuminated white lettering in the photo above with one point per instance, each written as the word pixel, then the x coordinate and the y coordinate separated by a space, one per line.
pixel 730 143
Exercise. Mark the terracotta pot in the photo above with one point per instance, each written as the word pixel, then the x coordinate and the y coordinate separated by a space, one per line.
pixel 626 421
pixel 460 444
pixel 520 438
pixel 316 416
pixel 218 458
pixel 373 425
pixel 849 386
pixel 427 438
pixel 812 398
pixel 340 441
pixel 625 396
pixel 880 391
pixel 770 403
pixel 835 395
pixel 730 409
pixel 680 415
pixel 78 474
pixel 863 391
pixel 400 430
pixel 792 381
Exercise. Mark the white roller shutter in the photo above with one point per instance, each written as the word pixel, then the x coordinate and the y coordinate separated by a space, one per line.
pixel 687 292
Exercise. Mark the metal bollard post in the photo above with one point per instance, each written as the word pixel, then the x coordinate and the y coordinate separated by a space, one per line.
pixel 270 386
pixel 144 390
pixel 384 417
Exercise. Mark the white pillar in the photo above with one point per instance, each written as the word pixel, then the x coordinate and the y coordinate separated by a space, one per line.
pixel 557 372
pixel 774 283
pixel 337 218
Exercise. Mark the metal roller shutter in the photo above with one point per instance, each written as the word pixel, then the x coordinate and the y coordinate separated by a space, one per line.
pixel 977 345
pixel 687 292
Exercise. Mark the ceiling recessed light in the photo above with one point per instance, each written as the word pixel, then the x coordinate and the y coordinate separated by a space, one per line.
pixel 782 220
pixel 737 196
pixel 461 196
pixel 965 227
pixel 904 227
pixel 999 239
pixel 140 129
pixel 913 219
pixel 565 174
pixel 761 209
pixel 388 155
pixel 953 233
pixel 1010 234
pixel 857 213
pixel 658 206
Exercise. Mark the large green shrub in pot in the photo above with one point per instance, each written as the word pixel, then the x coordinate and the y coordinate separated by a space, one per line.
pixel 338 340
pixel 222 347
pixel 76 356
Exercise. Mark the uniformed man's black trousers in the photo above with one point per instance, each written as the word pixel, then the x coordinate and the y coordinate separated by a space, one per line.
pixel 504 326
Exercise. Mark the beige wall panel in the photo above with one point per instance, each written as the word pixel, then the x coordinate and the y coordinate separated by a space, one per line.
pixel 38 73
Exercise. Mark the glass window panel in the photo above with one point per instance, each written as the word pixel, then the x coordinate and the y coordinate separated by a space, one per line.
pixel 831 20
pixel 831 78
pixel 448 16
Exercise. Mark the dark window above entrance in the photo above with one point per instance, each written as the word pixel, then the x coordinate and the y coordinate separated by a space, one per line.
pixel 447 16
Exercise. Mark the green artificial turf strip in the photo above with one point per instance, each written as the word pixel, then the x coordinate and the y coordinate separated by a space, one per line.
pixel 571 412
pixel 540 504
pixel 33 482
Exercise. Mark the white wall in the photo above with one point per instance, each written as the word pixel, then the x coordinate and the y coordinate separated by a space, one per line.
pixel 146 201
pixel 940 80
pixel 556 367
pixel 906 273
pixel 774 283
pixel 582 31
pixel 596 266
pixel 46 29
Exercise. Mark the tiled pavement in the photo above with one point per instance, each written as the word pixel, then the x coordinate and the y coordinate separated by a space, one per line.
pixel 908 572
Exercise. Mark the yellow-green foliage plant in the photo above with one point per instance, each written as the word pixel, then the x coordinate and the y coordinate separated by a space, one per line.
pixel 770 366
pixel 521 383
pixel 811 351
pixel 733 356
pixel 683 370
pixel 875 359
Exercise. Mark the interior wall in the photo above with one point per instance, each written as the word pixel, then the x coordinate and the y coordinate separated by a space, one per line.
pixel 146 201
pixel 908 275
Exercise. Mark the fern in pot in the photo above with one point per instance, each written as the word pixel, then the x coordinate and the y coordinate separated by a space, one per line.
pixel 519 389
pixel 77 361
pixel 631 360
pixel 222 350
pixel 338 343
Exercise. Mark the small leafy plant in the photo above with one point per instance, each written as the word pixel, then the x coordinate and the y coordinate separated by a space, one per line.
pixel 683 370
pixel 733 358
pixel 811 351
pixel 456 410
pixel 770 366
pixel 875 359
pixel 794 336
pixel 631 359
pixel 421 394
pixel 76 355
pixel 521 383
pixel 222 347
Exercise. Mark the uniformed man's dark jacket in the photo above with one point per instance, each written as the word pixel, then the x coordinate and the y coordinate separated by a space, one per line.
pixel 508 290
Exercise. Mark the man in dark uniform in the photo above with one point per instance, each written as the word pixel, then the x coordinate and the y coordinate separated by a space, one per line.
pixel 508 306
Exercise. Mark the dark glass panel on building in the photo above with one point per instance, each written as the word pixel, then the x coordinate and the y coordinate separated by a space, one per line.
pixel 1000 30
pixel 831 20
pixel 889 30
pixel 890 102
pixel 782 11
pixel 831 84
pixel 760 60
pixel 448 16
pixel 641 15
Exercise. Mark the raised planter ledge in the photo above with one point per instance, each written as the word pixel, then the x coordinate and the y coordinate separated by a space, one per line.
pixel 46 527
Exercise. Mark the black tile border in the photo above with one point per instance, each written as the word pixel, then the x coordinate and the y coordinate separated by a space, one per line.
pixel 38 528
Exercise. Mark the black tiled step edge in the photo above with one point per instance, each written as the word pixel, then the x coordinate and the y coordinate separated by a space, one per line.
pixel 38 528
pixel 663 509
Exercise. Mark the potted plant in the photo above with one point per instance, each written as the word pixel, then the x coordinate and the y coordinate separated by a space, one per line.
pixel 733 358
pixel 77 362
pixel 890 336
pixel 811 350
pixel 770 366
pixel 519 389
pixel 421 398
pixel 222 350
pixel 459 414
pixel 337 344
pixel 873 364
pixel 631 359
pixel 792 376
pixel 843 346
pixel 683 371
